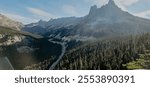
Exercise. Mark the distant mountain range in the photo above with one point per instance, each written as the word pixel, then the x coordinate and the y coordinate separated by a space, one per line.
pixel 105 22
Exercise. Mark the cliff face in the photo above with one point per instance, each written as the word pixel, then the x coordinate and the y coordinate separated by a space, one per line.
pixel 6 22
pixel 8 36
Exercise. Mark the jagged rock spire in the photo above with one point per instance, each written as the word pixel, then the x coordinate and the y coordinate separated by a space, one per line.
pixel 110 10
pixel 93 9
pixel 111 3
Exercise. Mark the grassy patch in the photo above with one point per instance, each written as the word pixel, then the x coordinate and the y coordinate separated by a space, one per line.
pixel 138 64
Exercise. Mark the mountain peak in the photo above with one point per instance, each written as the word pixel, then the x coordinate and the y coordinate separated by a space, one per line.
pixel 93 9
pixel 108 10
pixel 111 2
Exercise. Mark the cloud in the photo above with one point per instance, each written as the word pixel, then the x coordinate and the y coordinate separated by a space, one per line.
pixel 99 3
pixel 19 18
pixel 70 10
pixel 144 14
pixel 40 12
pixel 121 3
pixel 125 3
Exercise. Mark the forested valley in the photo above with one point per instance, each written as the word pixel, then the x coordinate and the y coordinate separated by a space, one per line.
pixel 132 52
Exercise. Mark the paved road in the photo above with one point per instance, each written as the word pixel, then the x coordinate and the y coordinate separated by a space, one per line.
pixel 63 44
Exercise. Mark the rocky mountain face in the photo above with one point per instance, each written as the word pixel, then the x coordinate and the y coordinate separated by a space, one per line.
pixel 9 36
pixel 6 22
pixel 8 28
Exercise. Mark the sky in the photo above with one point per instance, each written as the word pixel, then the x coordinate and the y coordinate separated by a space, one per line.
pixel 29 11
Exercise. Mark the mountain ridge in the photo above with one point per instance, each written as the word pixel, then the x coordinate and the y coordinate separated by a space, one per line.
pixel 106 21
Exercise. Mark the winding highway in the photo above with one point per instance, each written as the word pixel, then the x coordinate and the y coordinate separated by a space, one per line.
pixel 63 45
